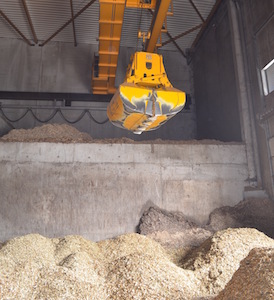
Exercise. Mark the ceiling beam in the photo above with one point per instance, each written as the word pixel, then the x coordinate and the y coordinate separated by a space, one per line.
pixel 182 34
pixel 171 38
pixel 175 44
pixel 210 16
pixel 30 21
pixel 68 22
pixel 157 23
pixel 73 23
pixel 16 28
pixel 43 96
pixel 197 10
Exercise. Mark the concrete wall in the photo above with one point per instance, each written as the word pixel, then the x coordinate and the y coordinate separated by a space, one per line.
pixel 215 83
pixel 257 23
pixel 57 67
pixel 227 64
pixel 101 190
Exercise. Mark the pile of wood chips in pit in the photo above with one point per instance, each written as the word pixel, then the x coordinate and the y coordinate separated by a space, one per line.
pixel 133 266
pixel 51 133
pixel 63 133
pixel 254 279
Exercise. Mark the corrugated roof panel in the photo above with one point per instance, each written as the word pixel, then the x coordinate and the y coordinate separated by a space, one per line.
pixel 204 7
pixel 170 46
pixel 87 24
pixel 6 30
pixel 133 20
pixel 184 17
pixel 14 10
pixel 186 41
pixel 49 15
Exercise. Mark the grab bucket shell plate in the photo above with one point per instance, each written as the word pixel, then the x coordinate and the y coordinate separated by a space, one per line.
pixel 139 108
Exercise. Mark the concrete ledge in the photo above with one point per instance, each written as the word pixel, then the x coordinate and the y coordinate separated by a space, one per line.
pixel 123 153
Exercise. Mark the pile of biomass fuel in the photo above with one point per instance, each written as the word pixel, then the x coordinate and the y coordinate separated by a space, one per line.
pixel 56 133
pixel 64 133
pixel 216 260
pixel 130 266
pixel 254 279
pixel 53 133
pixel 172 230
pixel 35 267
pixel 251 212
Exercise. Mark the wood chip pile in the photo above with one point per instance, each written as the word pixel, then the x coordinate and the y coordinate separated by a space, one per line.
pixel 254 279
pixel 254 212
pixel 157 219
pixel 63 133
pixel 173 230
pixel 53 133
pixel 219 257
pixel 131 266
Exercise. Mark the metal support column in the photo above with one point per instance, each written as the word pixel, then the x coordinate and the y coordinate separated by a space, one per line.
pixel 243 96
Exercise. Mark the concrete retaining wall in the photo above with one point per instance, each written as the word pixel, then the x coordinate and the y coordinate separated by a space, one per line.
pixel 101 190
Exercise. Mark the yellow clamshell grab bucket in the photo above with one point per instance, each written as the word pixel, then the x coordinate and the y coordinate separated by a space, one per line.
pixel 146 100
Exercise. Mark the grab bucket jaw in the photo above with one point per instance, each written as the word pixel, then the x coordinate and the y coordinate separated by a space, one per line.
pixel 144 104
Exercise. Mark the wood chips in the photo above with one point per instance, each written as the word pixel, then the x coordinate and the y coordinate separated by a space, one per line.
pixel 254 280
pixel 52 133
pixel 132 266
pixel 63 133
